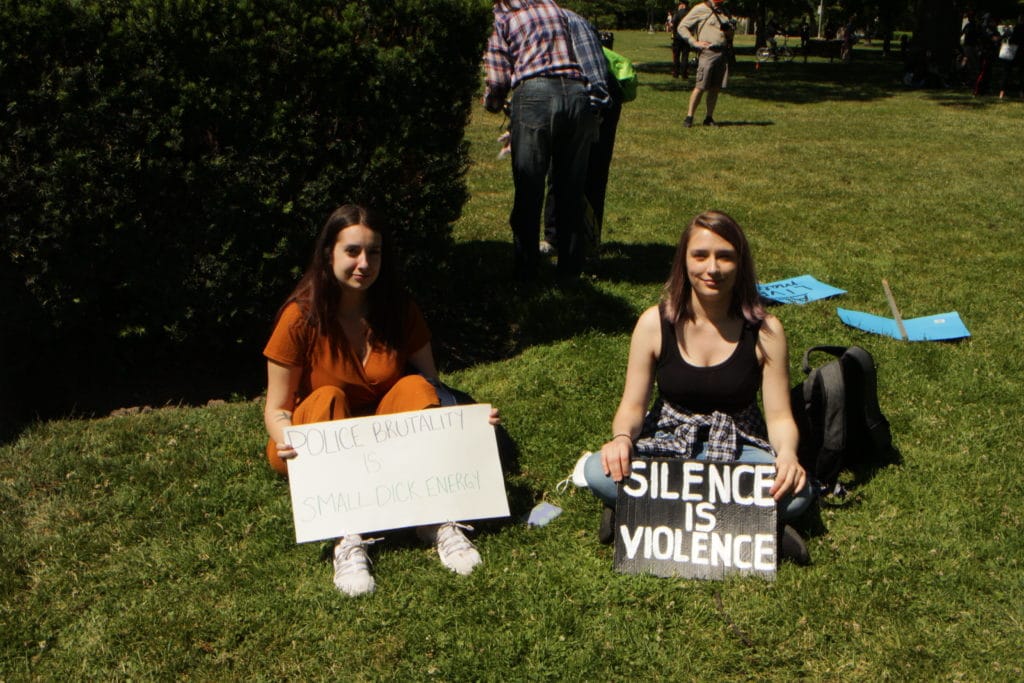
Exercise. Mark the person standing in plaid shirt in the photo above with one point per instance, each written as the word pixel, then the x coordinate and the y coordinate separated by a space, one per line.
pixel 553 124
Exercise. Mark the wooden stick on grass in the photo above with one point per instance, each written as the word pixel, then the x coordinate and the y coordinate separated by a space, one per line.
pixel 895 311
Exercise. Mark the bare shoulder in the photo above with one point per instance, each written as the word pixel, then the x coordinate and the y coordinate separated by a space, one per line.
pixel 649 320
pixel 771 340
pixel 647 333
pixel 772 326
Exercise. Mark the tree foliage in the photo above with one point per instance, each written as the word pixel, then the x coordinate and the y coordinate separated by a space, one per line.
pixel 164 163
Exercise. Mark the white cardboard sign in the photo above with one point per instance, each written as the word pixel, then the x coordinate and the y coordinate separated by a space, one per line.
pixel 394 471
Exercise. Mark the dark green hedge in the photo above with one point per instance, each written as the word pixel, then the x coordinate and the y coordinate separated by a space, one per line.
pixel 165 163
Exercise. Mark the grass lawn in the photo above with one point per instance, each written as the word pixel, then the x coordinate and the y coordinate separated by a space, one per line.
pixel 160 546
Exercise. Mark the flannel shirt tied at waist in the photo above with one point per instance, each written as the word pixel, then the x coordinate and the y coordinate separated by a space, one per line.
pixel 676 432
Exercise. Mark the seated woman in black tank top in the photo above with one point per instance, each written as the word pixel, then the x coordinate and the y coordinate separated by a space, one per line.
pixel 709 346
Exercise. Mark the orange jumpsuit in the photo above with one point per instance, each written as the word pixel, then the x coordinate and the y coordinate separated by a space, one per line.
pixel 335 385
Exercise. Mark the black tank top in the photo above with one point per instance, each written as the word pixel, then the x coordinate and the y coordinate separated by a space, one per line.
pixel 728 387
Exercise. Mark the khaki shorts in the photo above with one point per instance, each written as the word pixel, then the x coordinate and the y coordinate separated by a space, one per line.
pixel 712 70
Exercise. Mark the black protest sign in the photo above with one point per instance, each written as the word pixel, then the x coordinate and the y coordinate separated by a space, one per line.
pixel 696 519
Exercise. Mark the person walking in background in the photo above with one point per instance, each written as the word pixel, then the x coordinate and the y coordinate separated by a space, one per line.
pixel 849 38
pixel 770 31
pixel 607 96
pixel 680 48
pixel 969 39
pixel 553 124
pixel 988 52
pixel 1011 58
pixel 705 28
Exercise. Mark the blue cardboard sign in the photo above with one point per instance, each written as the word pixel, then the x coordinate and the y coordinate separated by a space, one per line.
pixel 797 290
pixel 941 327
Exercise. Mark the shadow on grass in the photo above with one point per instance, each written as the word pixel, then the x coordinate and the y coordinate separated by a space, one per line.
pixel 962 99
pixel 478 315
pixel 495 318
pixel 91 381
pixel 635 263
pixel 738 124
pixel 868 77
pixel 811 524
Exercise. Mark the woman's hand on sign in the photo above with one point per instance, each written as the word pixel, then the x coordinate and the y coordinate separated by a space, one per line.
pixel 790 477
pixel 495 418
pixel 616 456
pixel 285 451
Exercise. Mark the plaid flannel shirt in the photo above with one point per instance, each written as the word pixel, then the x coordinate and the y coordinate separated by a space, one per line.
pixel 676 432
pixel 530 39
pixel 590 57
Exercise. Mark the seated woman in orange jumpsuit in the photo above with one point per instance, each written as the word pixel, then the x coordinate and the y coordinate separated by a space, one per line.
pixel 340 348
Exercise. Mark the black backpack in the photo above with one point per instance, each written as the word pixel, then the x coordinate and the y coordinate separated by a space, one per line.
pixel 836 410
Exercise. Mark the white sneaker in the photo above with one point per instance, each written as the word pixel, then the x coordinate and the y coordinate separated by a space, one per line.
pixel 455 550
pixel 577 478
pixel 352 565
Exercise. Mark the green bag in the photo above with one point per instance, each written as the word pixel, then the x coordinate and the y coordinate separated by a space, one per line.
pixel 622 70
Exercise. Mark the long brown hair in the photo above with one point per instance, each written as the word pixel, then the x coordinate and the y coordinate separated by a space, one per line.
pixel 745 302
pixel 318 292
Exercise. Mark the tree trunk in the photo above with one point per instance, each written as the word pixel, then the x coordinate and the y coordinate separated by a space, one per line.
pixel 760 20
pixel 938 33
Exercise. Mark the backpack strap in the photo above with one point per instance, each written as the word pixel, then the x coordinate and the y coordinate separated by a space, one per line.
pixel 715 14
pixel 826 387
pixel 836 351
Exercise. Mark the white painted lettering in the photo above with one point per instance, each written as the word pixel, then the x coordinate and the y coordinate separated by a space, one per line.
pixel 764 479
pixel 706 515
pixel 718 485
pixel 661 542
pixel 721 550
pixel 764 552
pixel 699 547
pixel 631 542
pixel 666 492
pixel 692 479
pixel 677 555
pixel 738 471
pixel 741 559
pixel 636 484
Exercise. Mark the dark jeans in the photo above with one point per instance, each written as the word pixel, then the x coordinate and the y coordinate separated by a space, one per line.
pixel 1009 70
pixel 552 128
pixel 680 55
pixel 596 185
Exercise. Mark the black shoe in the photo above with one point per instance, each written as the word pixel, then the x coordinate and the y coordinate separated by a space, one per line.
pixel 792 547
pixel 710 122
pixel 687 122
pixel 606 532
